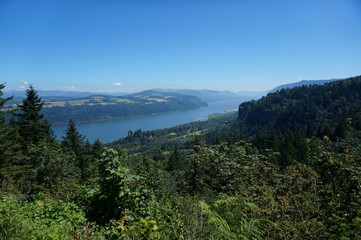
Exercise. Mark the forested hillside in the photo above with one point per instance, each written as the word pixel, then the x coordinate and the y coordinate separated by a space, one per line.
pixel 312 108
pixel 59 109
pixel 288 168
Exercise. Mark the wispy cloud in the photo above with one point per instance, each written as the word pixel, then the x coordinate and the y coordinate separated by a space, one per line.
pixel 24 84
pixel 71 88
pixel 118 84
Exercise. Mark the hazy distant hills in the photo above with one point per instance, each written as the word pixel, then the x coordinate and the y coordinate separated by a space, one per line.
pixel 208 95
pixel 58 93
pixel 205 95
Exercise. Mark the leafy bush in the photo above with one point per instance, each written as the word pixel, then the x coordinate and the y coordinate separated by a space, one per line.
pixel 42 219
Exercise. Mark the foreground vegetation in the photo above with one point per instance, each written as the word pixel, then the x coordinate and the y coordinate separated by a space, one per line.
pixel 214 183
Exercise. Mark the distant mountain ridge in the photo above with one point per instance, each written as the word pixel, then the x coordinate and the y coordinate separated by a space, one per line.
pixel 207 95
pixel 59 93
pixel 303 83
pixel 203 94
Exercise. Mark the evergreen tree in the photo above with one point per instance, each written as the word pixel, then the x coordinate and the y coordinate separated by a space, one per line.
pixel 174 161
pixel 97 149
pixel 2 102
pixel 10 154
pixel 73 142
pixel 73 139
pixel 30 122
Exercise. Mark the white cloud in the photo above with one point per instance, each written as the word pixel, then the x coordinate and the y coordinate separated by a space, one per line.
pixel 71 88
pixel 24 84
pixel 117 84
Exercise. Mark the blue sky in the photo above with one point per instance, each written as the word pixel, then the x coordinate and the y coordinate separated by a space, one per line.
pixel 132 45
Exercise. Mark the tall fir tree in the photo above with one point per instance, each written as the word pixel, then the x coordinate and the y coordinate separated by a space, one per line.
pixel 174 161
pixel 30 121
pixel 73 139
pixel 74 143
pixel 97 149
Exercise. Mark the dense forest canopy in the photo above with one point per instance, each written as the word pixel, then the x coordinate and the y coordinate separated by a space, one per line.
pixel 289 167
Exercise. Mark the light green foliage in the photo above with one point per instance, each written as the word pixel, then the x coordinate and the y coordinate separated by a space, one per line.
pixel 120 191
pixel 165 222
pixel 230 218
pixel 225 218
pixel 41 220
pixel 125 205
pixel 217 227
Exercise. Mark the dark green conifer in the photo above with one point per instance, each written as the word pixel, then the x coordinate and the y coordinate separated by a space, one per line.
pixel 84 153
pixel 97 149
pixel 174 161
pixel 73 139
pixel 10 154
pixel 30 121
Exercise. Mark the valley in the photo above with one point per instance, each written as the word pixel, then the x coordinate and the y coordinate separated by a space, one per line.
pixel 284 165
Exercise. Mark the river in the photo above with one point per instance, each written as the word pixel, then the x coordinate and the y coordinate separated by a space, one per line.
pixel 107 131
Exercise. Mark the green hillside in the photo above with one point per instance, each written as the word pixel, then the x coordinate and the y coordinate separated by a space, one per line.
pixel 312 108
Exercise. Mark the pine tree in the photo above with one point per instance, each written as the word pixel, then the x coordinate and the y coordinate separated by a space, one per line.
pixel 174 161
pixel 2 102
pixel 30 122
pixel 73 139
pixel 97 149
pixel 73 142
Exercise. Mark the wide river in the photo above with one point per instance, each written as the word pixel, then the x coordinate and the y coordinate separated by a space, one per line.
pixel 107 131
